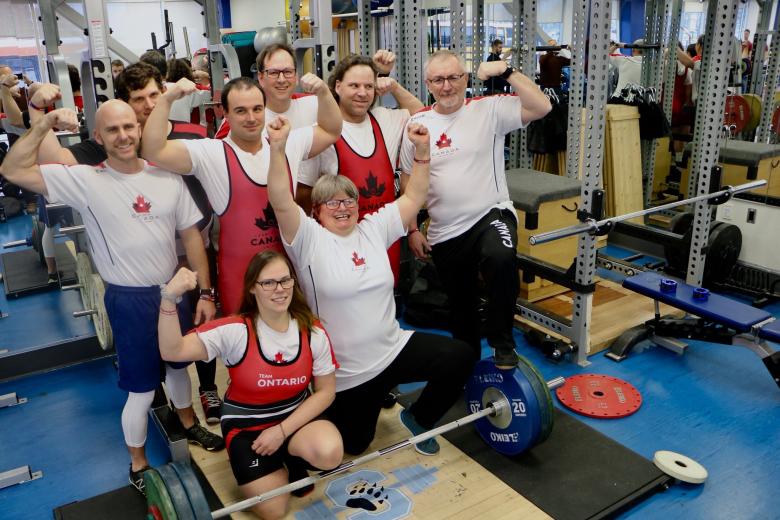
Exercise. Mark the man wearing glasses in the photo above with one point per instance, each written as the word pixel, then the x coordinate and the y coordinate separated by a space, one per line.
pixel 234 171
pixel 367 150
pixel 473 228
pixel 278 76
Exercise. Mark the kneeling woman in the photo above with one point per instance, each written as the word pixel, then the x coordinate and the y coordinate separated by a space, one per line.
pixel 273 349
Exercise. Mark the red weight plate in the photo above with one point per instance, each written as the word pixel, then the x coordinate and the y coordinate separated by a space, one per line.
pixel 737 113
pixel 599 396
pixel 776 121
pixel 154 513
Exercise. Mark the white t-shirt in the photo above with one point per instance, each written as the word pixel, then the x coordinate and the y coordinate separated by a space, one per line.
pixel 349 285
pixel 181 109
pixel 467 162
pixel 210 167
pixel 130 218
pixel 228 342
pixel 629 70
pixel 360 136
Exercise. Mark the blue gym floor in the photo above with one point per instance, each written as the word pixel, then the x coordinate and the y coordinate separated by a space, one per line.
pixel 717 404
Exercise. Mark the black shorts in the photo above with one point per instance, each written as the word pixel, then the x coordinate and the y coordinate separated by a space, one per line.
pixel 247 465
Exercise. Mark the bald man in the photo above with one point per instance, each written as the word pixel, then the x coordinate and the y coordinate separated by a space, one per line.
pixel 131 210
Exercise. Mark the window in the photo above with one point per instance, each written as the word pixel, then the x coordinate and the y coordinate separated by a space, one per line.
pixel 553 29
pixel 691 26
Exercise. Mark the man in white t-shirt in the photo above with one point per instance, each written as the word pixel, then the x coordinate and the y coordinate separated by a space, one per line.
pixel 629 67
pixel 234 171
pixel 277 74
pixel 367 150
pixel 473 228
pixel 131 211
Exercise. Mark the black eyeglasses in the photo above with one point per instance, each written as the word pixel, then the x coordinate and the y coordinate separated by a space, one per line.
pixel 439 80
pixel 274 73
pixel 270 285
pixel 348 203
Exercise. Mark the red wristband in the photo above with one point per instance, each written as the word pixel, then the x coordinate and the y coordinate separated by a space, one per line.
pixel 421 161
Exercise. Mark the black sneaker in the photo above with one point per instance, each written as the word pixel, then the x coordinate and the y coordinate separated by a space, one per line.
pixel 506 358
pixel 137 479
pixel 197 434
pixel 212 405
pixel 296 470
pixel 53 278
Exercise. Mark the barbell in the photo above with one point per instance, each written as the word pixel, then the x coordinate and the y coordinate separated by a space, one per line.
pixel 595 227
pixel 92 289
pixel 511 408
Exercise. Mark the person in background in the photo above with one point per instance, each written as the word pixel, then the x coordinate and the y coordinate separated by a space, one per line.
pixel 497 53
pixel 551 63
pixel 117 66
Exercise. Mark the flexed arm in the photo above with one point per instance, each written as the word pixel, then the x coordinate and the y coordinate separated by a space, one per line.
pixel 279 194
pixel 155 146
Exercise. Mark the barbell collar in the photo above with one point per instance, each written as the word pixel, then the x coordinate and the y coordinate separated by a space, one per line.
pixel 72 287
pixel 56 205
pixel 592 226
pixel 85 312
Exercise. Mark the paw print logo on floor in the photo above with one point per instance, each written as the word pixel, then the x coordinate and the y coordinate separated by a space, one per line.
pixel 368 496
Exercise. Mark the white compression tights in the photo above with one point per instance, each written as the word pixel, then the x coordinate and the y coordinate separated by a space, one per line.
pixel 135 417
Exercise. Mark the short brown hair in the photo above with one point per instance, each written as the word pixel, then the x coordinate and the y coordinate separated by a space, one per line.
pixel 341 68
pixel 156 59
pixel 179 68
pixel 136 77
pixel 298 309
pixel 269 51
pixel 240 83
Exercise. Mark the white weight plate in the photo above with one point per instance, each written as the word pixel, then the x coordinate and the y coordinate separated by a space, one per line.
pixel 680 467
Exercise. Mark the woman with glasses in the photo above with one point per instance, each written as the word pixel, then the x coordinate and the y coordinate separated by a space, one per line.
pixel 346 275
pixel 273 349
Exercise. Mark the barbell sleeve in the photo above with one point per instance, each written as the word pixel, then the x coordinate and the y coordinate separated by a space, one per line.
pixel 85 312
pixel 593 225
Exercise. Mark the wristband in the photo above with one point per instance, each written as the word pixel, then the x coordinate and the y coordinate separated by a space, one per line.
pixel 207 298
pixel 282 428
pixel 412 231
pixel 421 161
pixel 382 75
pixel 208 294
pixel 508 72
pixel 39 109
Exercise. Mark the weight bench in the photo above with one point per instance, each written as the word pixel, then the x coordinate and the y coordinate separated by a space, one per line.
pixel 717 319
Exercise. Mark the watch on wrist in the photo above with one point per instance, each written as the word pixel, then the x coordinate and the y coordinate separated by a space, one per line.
pixel 209 294
pixel 165 295
pixel 508 72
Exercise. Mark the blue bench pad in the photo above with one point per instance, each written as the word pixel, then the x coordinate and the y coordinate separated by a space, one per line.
pixel 770 331
pixel 731 313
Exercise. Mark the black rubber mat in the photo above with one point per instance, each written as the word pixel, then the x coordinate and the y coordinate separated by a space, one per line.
pixel 123 504
pixel 23 272
pixel 578 473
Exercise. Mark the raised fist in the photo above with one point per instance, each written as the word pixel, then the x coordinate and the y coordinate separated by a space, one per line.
pixel 62 119
pixel 312 83
pixel 45 95
pixel 384 61
pixel 491 69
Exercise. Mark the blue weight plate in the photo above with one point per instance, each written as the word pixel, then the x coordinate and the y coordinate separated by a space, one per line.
pixel 181 501
pixel 543 396
pixel 523 426
pixel 200 507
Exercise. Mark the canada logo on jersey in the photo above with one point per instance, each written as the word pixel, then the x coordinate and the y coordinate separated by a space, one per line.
pixel 141 205
pixel 279 358
pixel 444 141
pixel 372 188
pixel 358 261
pixel 269 220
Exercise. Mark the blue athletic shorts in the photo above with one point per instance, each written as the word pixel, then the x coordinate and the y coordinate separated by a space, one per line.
pixel 133 313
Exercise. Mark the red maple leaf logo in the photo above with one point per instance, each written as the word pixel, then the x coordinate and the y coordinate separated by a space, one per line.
pixel 357 260
pixel 443 141
pixel 141 206
pixel 279 358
